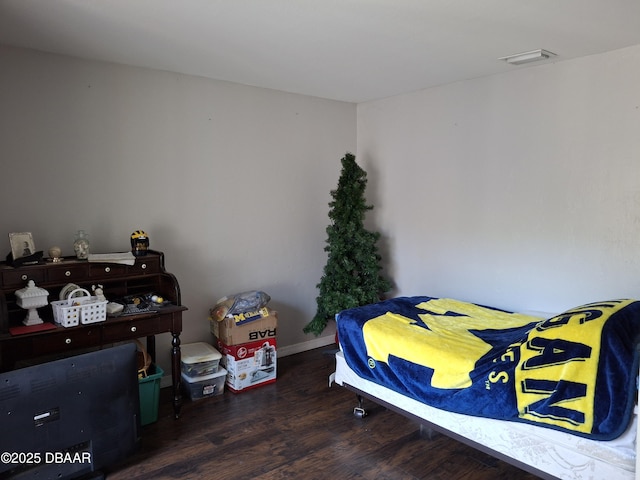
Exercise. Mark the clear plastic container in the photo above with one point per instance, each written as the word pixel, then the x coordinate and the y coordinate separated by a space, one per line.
pixel 199 359
pixel 207 386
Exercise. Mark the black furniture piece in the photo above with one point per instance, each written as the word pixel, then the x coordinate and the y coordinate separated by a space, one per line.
pixel 18 343
pixel 70 418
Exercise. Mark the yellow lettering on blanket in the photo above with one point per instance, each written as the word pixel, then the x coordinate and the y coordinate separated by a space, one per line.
pixel 446 346
pixel 558 366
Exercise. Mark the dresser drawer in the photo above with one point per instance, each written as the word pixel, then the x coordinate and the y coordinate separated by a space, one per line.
pixel 135 328
pixel 101 271
pixel 19 278
pixel 145 265
pixel 67 340
pixel 68 273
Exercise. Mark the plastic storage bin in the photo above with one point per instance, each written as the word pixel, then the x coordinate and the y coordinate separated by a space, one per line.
pixel 207 386
pixel 199 359
pixel 150 395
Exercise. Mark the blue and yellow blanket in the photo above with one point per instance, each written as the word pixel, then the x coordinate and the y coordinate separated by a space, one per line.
pixel 574 372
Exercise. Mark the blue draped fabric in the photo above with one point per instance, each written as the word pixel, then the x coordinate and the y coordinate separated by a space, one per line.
pixel 574 372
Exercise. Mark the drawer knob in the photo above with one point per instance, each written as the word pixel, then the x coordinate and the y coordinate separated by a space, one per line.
pixel 143 266
pixel 133 329
pixel 107 269
pixel 67 341
pixel 67 273
pixel 24 277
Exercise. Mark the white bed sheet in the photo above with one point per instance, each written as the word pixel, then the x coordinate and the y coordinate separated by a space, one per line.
pixel 560 454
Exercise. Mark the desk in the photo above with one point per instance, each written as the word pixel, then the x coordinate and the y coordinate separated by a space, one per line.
pixel 147 275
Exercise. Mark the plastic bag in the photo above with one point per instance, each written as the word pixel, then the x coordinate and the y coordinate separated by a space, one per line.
pixel 239 303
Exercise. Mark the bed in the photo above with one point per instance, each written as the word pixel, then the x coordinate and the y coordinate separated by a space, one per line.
pixel 490 385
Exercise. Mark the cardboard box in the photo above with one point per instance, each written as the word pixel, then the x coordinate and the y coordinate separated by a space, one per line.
pixel 246 317
pixel 249 365
pixel 229 332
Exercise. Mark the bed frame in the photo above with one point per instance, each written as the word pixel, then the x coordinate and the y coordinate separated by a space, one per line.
pixel 546 453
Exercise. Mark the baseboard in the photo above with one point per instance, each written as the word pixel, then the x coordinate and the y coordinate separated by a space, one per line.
pixel 281 352
pixel 304 346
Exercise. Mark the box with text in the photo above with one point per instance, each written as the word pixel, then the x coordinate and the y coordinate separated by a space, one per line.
pixel 229 332
pixel 249 365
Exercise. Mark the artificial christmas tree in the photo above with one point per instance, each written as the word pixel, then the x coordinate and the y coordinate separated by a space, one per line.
pixel 351 276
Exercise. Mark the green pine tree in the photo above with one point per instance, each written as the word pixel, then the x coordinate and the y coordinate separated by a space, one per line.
pixel 351 276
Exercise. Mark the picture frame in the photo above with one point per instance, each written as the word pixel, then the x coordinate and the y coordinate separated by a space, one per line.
pixel 22 244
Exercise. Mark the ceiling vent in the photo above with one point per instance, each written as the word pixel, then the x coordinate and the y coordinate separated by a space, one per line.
pixel 526 57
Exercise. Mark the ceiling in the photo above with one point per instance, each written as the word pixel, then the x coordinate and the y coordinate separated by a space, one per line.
pixel 348 50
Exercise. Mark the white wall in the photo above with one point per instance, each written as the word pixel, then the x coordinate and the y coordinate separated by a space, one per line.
pixel 520 190
pixel 231 182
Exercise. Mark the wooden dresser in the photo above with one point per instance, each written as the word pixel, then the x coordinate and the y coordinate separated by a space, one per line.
pixel 147 275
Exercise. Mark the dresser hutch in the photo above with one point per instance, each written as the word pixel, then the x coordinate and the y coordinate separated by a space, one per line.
pixel 146 275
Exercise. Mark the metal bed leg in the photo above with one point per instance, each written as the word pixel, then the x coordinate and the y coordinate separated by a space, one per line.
pixel 427 432
pixel 359 411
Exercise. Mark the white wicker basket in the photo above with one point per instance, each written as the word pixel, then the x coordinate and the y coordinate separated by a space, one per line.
pixel 76 310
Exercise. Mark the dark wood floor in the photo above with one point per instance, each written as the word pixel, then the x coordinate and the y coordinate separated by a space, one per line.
pixel 299 428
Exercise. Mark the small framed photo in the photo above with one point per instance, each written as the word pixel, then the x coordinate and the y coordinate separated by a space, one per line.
pixel 21 245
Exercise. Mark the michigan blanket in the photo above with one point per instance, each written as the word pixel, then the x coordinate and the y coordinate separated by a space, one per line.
pixel 574 372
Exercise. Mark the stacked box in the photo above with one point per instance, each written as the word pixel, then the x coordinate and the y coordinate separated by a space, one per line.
pixel 205 386
pixel 235 329
pixel 249 365
pixel 248 345
pixel 199 359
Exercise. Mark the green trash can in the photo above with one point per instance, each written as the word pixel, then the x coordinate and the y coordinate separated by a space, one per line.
pixel 150 395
